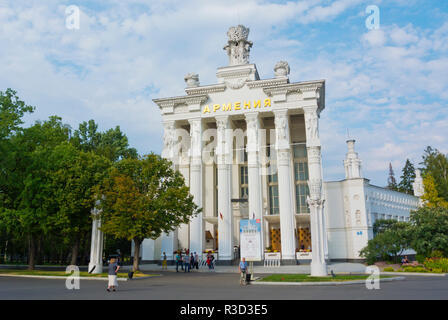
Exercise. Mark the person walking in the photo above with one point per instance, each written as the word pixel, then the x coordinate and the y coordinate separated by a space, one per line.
pixel 242 268
pixel 164 262
pixel 212 261
pixel 178 261
pixel 187 263
pixel 112 274
pixel 196 260
pixel 192 261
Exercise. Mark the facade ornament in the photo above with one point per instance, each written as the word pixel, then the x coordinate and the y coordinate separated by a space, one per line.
pixel 169 134
pixel 252 132
pixel 419 189
pixel 352 163
pixel 315 187
pixel 281 131
pixel 238 47
pixel 281 69
pixel 235 83
pixel 312 127
pixel 192 80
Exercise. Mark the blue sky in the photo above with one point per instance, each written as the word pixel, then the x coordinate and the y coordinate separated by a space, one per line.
pixel 388 87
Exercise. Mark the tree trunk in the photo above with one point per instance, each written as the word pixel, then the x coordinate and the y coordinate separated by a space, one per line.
pixel 137 243
pixel 31 253
pixel 75 250
pixel 39 251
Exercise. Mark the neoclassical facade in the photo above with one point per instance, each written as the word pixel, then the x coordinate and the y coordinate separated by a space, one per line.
pixel 250 148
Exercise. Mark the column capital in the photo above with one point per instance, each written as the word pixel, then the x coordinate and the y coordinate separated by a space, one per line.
pixel 195 141
pixel 315 187
pixel 169 139
pixel 253 126
pixel 282 129
pixel 312 126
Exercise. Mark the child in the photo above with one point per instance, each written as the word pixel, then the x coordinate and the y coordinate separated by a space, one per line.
pixel 112 274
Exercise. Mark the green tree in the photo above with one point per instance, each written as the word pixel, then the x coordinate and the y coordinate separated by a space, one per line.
pixel 26 212
pixel 430 230
pixel 407 178
pixel 143 198
pixel 112 144
pixel 391 240
pixel 12 110
pixel 431 197
pixel 74 176
pixel 436 164
pixel 391 181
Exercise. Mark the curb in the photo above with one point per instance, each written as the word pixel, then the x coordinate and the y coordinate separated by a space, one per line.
pixel 422 274
pixel 59 277
pixel 338 283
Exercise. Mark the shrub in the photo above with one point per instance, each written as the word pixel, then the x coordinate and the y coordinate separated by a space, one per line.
pixel 389 269
pixel 436 263
pixel 415 269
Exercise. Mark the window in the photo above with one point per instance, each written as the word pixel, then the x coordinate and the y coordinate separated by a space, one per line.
pixel 301 177
pixel 244 181
pixel 244 177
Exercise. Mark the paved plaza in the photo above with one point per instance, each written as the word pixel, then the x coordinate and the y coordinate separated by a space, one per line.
pixel 216 286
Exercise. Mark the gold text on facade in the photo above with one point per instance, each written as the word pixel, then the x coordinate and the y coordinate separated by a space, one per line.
pixel 237 105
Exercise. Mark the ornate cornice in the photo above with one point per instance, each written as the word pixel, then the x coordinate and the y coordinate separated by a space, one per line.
pixel 206 89
pixel 173 101
pixel 300 87
pixel 267 83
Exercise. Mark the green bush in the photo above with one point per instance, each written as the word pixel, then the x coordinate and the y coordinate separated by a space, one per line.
pixel 389 269
pixel 415 269
pixel 436 263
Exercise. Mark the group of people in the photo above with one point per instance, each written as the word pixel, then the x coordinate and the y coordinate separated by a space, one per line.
pixel 187 261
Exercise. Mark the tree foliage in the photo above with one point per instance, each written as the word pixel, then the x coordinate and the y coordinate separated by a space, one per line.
pixel 112 144
pixel 436 164
pixel 392 238
pixel 407 178
pixel 391 181
pixel 12 110
pixel 143 198
pixel 430 230
pixel 431 197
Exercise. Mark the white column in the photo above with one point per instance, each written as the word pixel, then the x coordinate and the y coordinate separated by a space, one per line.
pixel 196 224
pixel 285 190
pixel 254 170
pixel 183 232
pixel 170 152
pixel 315 200
pixel 224 158
pixel 96 247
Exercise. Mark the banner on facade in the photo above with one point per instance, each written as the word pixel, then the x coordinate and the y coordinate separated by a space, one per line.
pixel 250 239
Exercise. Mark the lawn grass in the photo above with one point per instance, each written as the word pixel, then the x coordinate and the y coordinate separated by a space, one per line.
pixel 137 274
pixel 308 278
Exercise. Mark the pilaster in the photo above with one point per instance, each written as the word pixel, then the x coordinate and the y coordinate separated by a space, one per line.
pixel 196 224
pixel 225 218
pixel 287 221
pixel 315 200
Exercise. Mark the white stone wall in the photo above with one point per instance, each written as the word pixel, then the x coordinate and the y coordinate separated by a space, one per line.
pixel 388 204
pixel 352 207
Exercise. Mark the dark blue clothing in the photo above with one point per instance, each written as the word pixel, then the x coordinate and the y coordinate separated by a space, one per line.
pixel 112 268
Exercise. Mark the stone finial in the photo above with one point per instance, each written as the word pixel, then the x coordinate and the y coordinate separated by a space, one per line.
pixel 281 69
pixel 238 47
pixel 418 186
pixel 192 80
pixel 352 163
